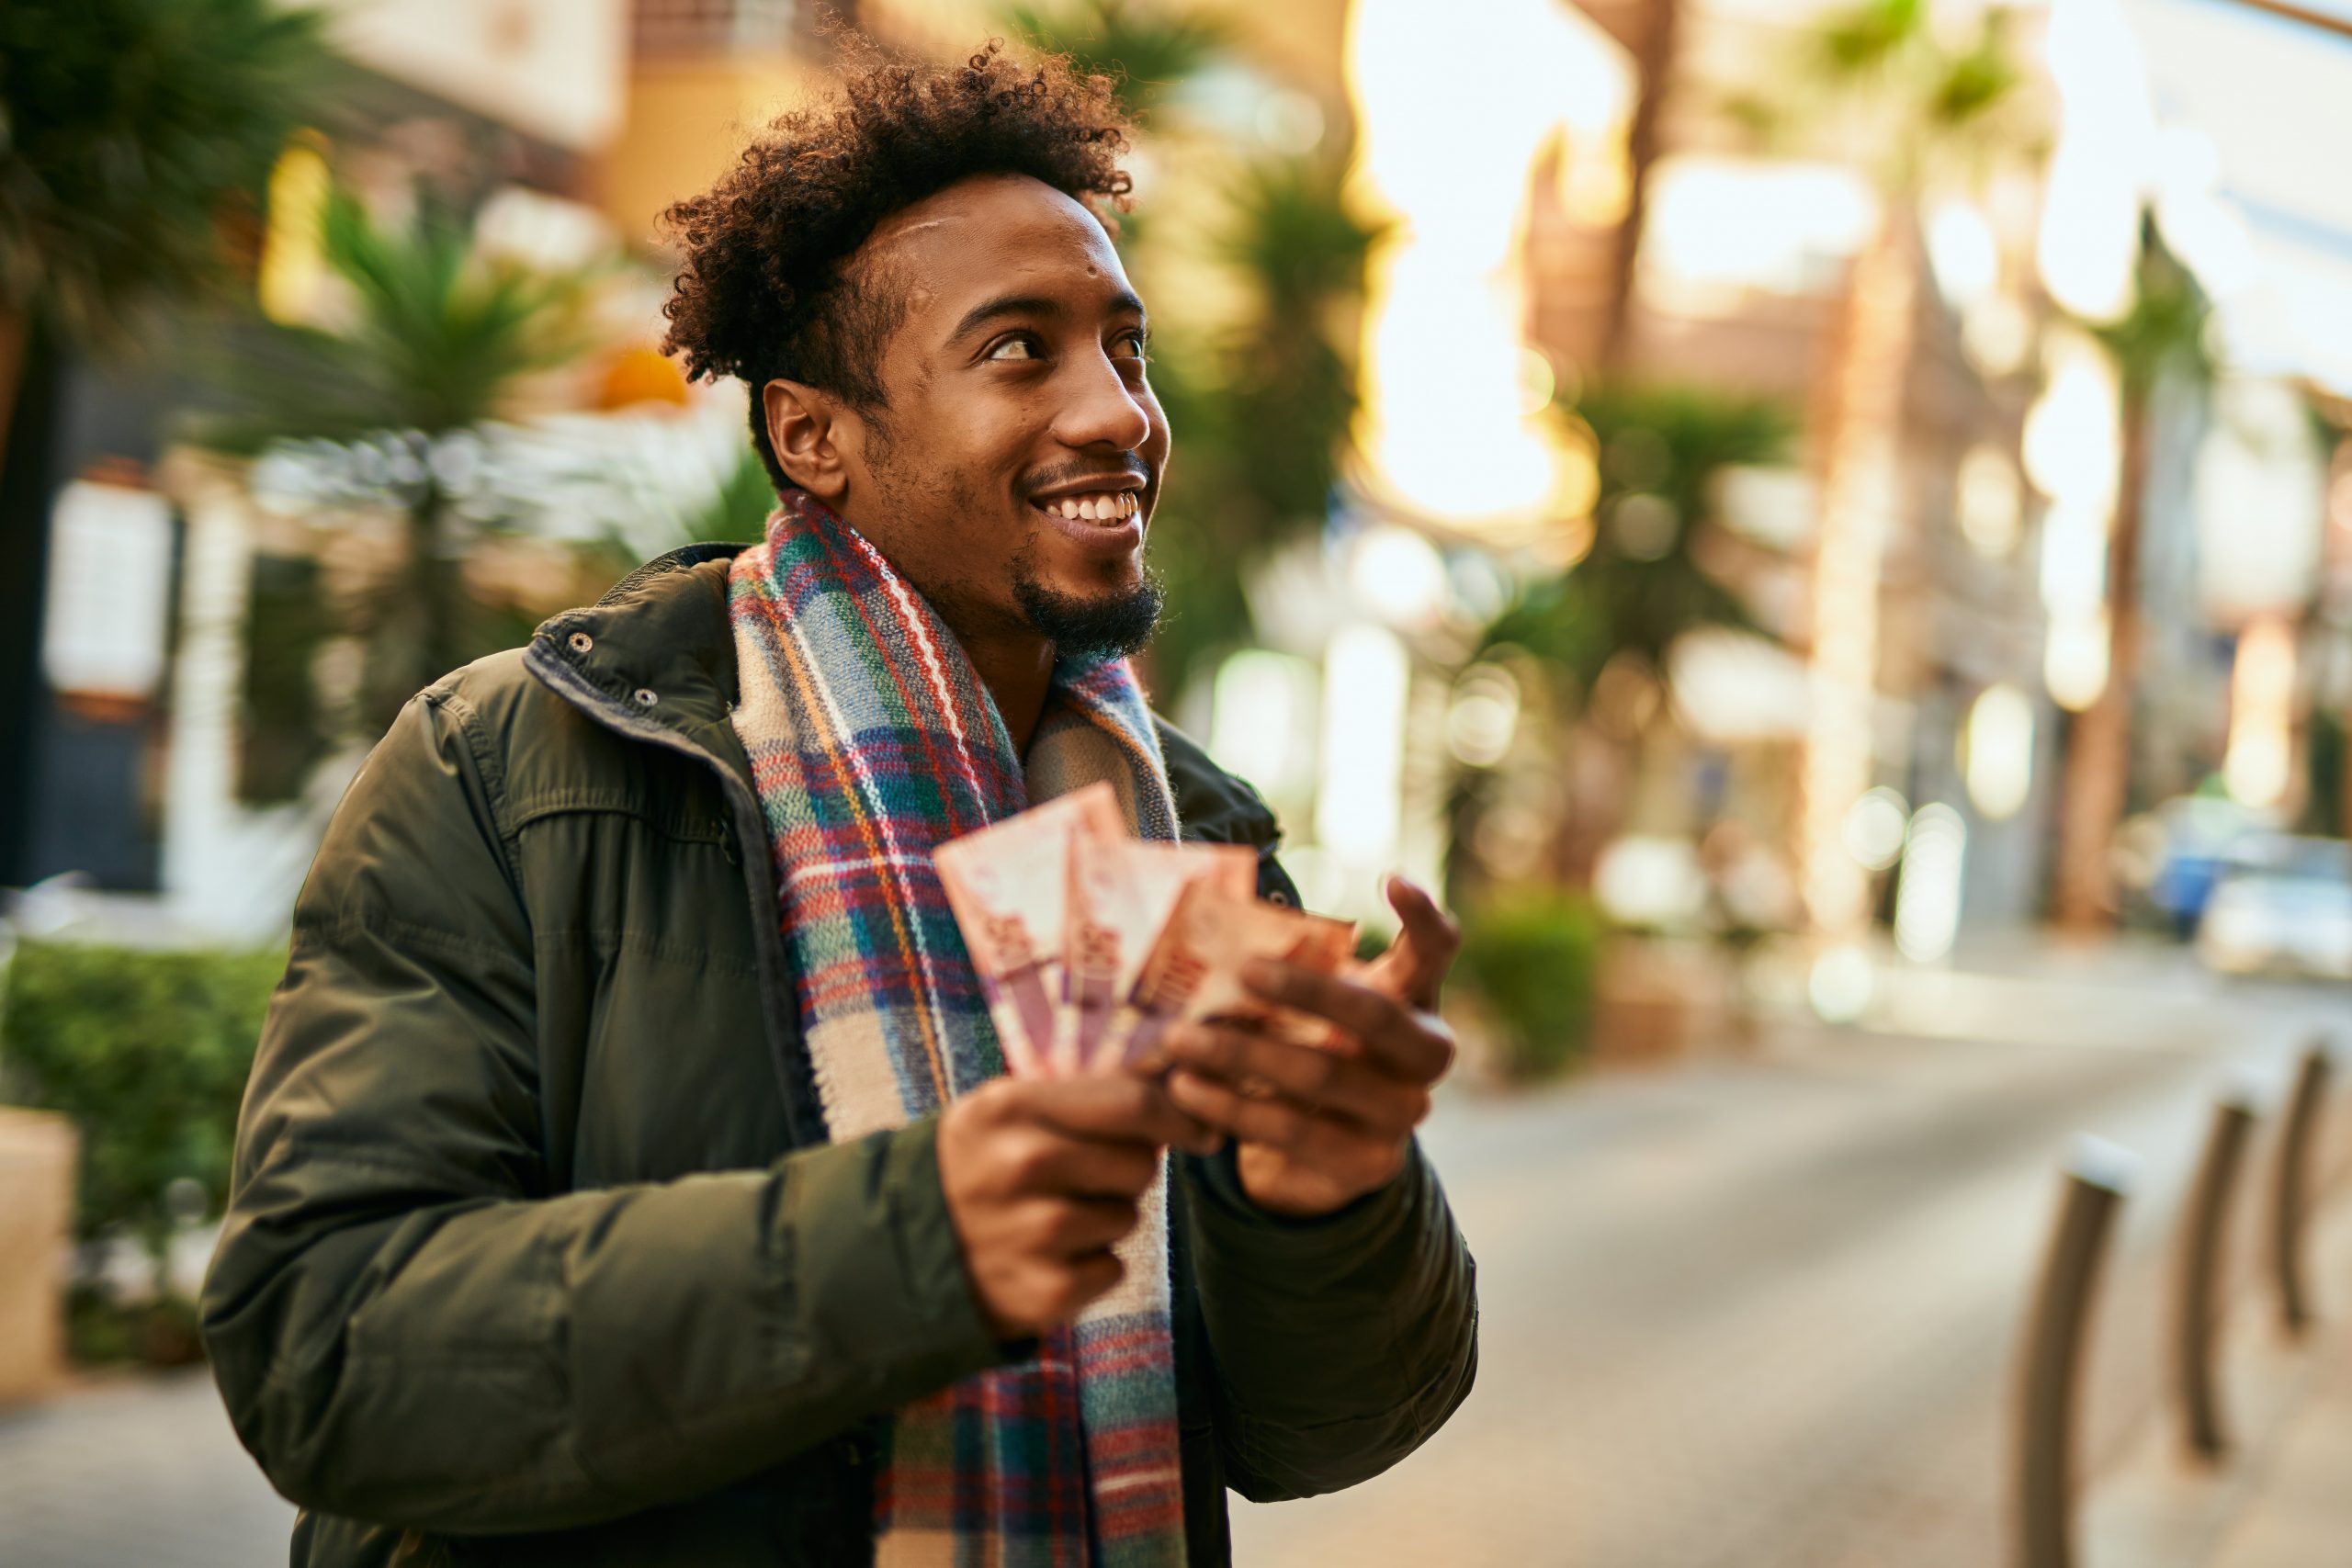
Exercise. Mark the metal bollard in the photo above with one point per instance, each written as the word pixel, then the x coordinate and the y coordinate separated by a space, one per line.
pixel 2097 1179
pixel 2290 1187
pixel 2197 1317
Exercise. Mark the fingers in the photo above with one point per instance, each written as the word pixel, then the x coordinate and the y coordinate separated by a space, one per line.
pixel 1428 940
pixel 1277 1123
pixel 1074 1264
pixel 1074 1227
pixel 1029 1291
pixel 1316 1079
pixel 1113 1108
pixel 1043 1161
pixel 1092 1276
pixel 1035 1204
pixel 1340 1157
pixel 1409 1043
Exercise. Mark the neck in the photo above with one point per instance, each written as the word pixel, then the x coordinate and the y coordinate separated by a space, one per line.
pixel 1018 670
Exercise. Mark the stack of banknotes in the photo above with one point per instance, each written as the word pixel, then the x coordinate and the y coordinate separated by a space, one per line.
pixel 1090 942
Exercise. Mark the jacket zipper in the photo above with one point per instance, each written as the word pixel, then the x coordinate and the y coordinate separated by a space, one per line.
pixel 778 1012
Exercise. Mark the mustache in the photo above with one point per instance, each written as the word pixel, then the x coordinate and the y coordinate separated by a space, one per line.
pixel 1132 467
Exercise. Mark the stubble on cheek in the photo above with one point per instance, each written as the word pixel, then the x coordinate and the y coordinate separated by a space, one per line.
pixel 953 549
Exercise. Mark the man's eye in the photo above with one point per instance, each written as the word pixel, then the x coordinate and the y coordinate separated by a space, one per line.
pixel 1020 345
pixel 1133 342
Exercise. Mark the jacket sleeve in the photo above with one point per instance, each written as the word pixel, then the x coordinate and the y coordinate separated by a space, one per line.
pixel 407 1325
pixel 1340 1343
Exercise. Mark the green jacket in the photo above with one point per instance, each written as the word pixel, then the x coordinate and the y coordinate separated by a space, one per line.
pixel 536 1251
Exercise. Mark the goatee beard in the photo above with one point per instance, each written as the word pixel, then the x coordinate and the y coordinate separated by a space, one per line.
pixel 1116 623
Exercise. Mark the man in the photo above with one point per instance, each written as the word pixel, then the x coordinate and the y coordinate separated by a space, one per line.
pixel 628 1176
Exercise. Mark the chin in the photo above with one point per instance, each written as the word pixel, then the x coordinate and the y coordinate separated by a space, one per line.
pixel 1095 580
pixel 1093 617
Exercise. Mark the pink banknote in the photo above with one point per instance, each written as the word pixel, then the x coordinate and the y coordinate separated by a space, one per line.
pixel 1194 969
pixel 1008 885
pixel 1122 893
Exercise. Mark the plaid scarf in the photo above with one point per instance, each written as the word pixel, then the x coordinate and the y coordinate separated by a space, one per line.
pixel 872 742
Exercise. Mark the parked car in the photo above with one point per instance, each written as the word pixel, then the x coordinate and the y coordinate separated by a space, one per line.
pixel 2282 905
pixel 2183 850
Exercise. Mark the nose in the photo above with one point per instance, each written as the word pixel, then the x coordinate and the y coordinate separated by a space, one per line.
pixel 1101 408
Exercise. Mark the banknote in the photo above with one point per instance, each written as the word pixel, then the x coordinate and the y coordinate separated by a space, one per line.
pixel 1194 969
pixel 1008 885
pixel 1122 895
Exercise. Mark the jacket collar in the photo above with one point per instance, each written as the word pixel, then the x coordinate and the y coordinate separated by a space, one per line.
pixel 657 644
pixel 658 647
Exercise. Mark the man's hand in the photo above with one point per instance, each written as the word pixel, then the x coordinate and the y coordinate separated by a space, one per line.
pixel 1319 1126
pixel 1042 1179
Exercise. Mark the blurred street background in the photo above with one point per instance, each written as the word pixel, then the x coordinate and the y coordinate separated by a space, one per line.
pixel 1825 528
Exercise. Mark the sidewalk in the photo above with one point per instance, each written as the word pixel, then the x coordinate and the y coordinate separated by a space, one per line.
pixel 135 1470
pixel 2301 1517
pixel 2282 1496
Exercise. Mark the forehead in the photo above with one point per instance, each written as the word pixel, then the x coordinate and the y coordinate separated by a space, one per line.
pixel 990 235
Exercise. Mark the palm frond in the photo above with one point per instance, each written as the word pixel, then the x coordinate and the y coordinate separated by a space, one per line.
pixel 130 129
pixel 1875 77
pixel 436 338
pixel 2163 331
pixel 1149 51
pixel 1660 447
pixel 1979 81
pixel 1764 116
pixel 1293 235
pixel 1866 38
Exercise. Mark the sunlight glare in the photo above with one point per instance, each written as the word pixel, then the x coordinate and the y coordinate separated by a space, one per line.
pixel 2090 214
pixel 1443 424
pixel 2259 762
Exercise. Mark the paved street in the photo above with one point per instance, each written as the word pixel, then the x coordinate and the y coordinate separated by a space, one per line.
pixel 1763 1314
pixel 1755 1310
pixel 140 1472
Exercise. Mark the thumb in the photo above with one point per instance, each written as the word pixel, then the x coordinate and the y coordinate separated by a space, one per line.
pixel 1415 965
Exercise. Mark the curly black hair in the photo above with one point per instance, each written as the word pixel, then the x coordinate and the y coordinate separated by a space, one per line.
pixel 764 288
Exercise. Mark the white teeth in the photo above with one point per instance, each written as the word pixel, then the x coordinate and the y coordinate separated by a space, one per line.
pixel 1109 506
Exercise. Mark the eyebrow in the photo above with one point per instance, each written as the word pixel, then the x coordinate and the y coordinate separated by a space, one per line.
pixel 1004 305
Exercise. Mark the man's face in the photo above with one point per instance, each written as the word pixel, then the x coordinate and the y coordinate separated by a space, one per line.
pixel 1014 471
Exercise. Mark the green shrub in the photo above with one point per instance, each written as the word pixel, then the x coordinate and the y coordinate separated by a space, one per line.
pixel 147 1053
pixel 1529 957
pixel 101 1330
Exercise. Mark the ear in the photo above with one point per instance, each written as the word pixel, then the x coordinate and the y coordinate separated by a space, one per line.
pixel 803 428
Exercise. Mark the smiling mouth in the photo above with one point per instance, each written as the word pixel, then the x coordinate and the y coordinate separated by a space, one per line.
pixel 1100 507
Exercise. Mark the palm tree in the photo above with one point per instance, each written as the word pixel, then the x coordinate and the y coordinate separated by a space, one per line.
pixel 1641 588
pixel 1261 410
pixel 2161 336
pixel 1654 59
pixel 133 133
pixel 436 341
pixel 1875 77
